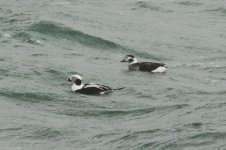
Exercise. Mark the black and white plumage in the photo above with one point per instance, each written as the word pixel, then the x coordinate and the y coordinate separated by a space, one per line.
pixel 144 66
pixel 89 89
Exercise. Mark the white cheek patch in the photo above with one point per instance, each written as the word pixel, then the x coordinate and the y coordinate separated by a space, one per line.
pixel 160 69
pixel 134 61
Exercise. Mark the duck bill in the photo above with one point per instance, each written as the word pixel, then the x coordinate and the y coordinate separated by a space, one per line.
pixel 69 80
pixel 123 60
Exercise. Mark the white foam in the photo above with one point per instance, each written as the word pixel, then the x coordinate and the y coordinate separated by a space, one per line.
pixel 7 35
pixel 37 41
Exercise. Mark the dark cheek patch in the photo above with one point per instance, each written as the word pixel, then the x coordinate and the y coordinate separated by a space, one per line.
pixel 78 82
pixel 130 60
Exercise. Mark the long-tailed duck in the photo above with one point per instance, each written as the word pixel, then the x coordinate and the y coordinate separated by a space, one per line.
pixel 143 66
pixel 89 89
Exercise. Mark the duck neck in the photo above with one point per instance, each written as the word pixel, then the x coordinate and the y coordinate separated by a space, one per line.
pixel 75 87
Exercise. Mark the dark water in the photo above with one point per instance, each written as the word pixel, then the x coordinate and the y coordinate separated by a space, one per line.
pixel 43 42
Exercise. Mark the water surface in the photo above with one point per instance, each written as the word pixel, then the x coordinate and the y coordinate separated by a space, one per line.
pixel 42 43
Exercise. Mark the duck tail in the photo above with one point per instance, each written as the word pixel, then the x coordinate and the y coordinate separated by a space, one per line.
pixel 121 88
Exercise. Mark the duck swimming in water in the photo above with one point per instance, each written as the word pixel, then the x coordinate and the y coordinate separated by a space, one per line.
pixel 89 89
pixel 143 66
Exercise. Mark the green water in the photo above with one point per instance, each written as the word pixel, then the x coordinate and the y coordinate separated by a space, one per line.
pixel 42 43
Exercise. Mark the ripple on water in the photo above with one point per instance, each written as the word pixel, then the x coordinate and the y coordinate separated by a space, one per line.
pixel 54 74
pixel 144 139
pixel 4 72
pixel 28 96
pixel 219 10
pixel 38 133
pixel 25 37
pixel 32 132
pixel 190 3
pixel 195 125
pixel 146 5
pixel 38 55
pixel 198 139
pixel 121 113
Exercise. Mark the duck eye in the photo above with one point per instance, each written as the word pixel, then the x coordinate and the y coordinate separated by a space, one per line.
pixel 130 60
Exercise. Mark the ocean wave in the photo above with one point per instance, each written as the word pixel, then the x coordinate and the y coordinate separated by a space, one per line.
pixel 4 72
pixel 135 134
pixel 189 140
pixel 60 31
pixel 189 3
pixel 115 113
pixel 2 59
pixel 53 74
pixel 196 140
pixel 218 10
pixel 150 6
pixel 26 37
pixel 145 4
pixel 42 133
pixel 11 129
pixel 28 96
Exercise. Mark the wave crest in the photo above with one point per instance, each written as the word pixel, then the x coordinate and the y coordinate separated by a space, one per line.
pixel 58 30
